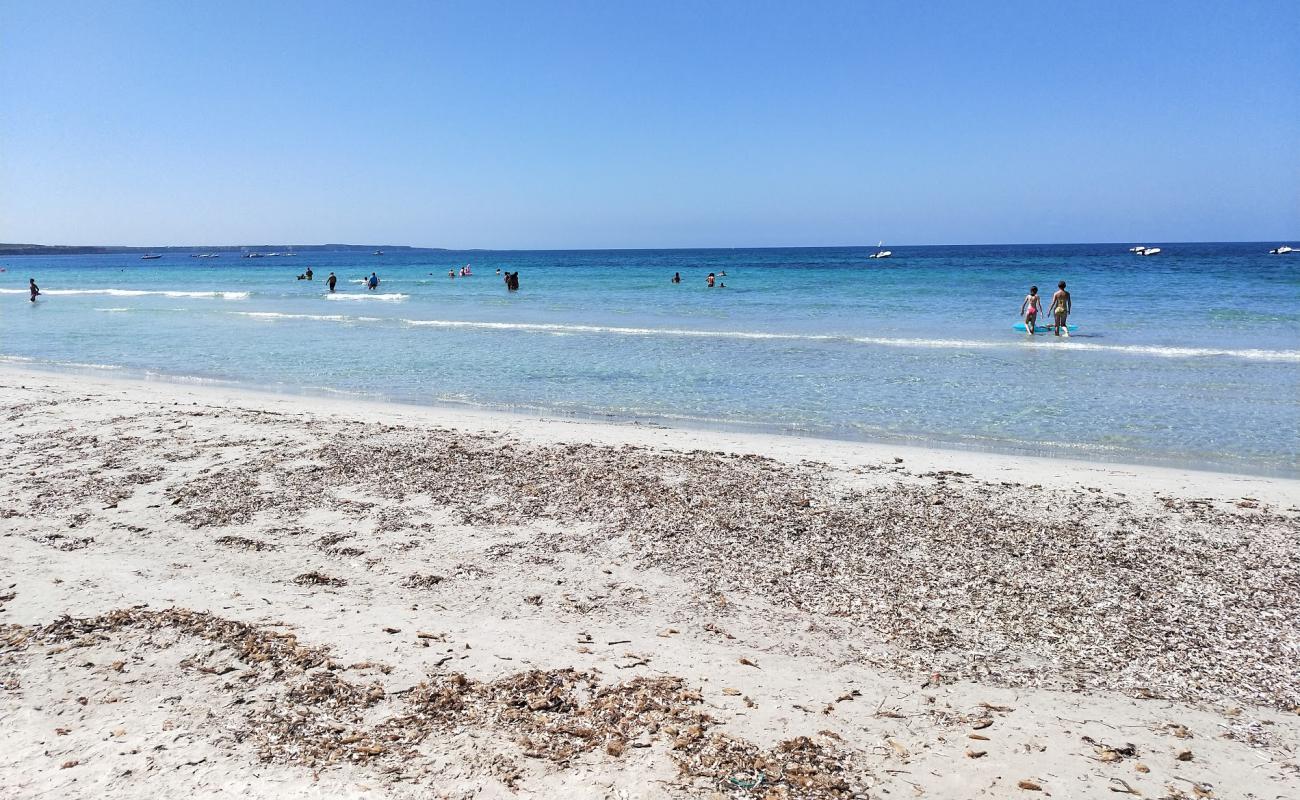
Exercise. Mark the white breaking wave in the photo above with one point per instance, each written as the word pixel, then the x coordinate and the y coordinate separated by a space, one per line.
pixel 119 310
pixel 317 317
pixel 1147 350
pixel 392 298
pixel 135 293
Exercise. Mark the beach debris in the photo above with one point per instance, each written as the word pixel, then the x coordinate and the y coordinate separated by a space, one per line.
pixel 1109 753
pixel 976 753
pixel 315 578
pixel 418 581
pixel 1184 755
pixel 244 543
pixel 69 764
pixel 749 663
pixel 1030 786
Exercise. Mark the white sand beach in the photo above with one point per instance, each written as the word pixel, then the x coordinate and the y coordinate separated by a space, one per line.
pixel 209 591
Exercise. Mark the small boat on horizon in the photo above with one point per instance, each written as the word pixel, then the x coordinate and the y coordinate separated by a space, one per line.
pixel 149 257
pixel 378 252
pixel 252 255
pixel 1143 250
pixel 1281 250
pixel 881 252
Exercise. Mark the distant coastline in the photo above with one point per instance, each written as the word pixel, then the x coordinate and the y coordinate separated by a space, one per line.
pixel 82 250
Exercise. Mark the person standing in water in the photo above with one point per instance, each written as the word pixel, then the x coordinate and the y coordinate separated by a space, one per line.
pixel 331 281
pixel 1031 308
pixel 373 282
pixel 308 273
pixel 677 277
pixel 1061 308
pixel 31 286
pixel 709 280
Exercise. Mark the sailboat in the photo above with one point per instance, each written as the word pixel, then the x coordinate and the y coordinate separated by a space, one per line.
pixel 880 251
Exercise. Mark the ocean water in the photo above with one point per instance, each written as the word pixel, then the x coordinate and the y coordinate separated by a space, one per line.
pixel 1191 357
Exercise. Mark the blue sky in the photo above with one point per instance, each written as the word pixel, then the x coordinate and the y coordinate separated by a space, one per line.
pixel 665 124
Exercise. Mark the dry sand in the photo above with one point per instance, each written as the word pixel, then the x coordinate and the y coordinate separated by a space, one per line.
pixel 213 592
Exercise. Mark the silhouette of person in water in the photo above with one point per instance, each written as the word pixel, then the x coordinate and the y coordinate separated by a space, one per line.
pixel 677 277
pixel 709 280
pixel 308 273
pixel 373 282
pixel 31 285
pixel 331 281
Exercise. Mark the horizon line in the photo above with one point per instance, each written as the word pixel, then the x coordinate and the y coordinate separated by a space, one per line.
pixel 17 245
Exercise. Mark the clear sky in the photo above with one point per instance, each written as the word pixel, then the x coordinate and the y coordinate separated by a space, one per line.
pixel 648 124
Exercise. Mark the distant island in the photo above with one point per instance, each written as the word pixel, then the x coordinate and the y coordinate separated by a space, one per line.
pixel 79 250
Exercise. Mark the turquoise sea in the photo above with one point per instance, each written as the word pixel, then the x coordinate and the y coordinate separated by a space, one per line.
pixel 1191 357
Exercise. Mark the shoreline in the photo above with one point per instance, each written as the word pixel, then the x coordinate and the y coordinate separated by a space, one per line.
pixel 730 433
pixel 219 589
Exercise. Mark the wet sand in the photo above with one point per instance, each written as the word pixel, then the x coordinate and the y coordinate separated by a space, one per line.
pixel 205 590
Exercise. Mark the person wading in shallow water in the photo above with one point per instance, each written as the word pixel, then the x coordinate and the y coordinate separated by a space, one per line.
pixel 31 285
pixel 1061 308
pixel 1031 308
pixel 331 280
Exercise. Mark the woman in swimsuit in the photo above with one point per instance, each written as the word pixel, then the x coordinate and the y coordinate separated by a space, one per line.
pixel 1031 308
pixel 1061 308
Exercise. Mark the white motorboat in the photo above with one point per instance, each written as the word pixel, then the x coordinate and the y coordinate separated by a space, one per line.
pixel 1138 249
pixel 1149 251
pixel 1282 250
pixel 880 251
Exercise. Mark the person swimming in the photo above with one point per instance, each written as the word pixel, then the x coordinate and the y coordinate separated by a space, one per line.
pixel 1031 308
pixel 372 283
pixel 1061 308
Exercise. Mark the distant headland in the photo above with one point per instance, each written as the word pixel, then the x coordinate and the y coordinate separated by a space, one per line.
pixel 80 250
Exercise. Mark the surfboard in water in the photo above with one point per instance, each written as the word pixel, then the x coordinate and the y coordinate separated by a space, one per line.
pixel 1020 326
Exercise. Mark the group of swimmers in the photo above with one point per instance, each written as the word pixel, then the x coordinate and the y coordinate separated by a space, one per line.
pixel 710 281
pixel 1060 309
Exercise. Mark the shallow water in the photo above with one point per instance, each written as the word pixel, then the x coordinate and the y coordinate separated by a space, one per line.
pixel 1189 357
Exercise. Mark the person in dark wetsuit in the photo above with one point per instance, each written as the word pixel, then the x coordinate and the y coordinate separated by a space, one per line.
pixel 331 281
pixel 677 277
pixel 31 285
pixel 308 273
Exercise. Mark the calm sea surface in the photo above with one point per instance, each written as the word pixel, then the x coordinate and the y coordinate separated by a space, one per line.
pixel 1191 357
